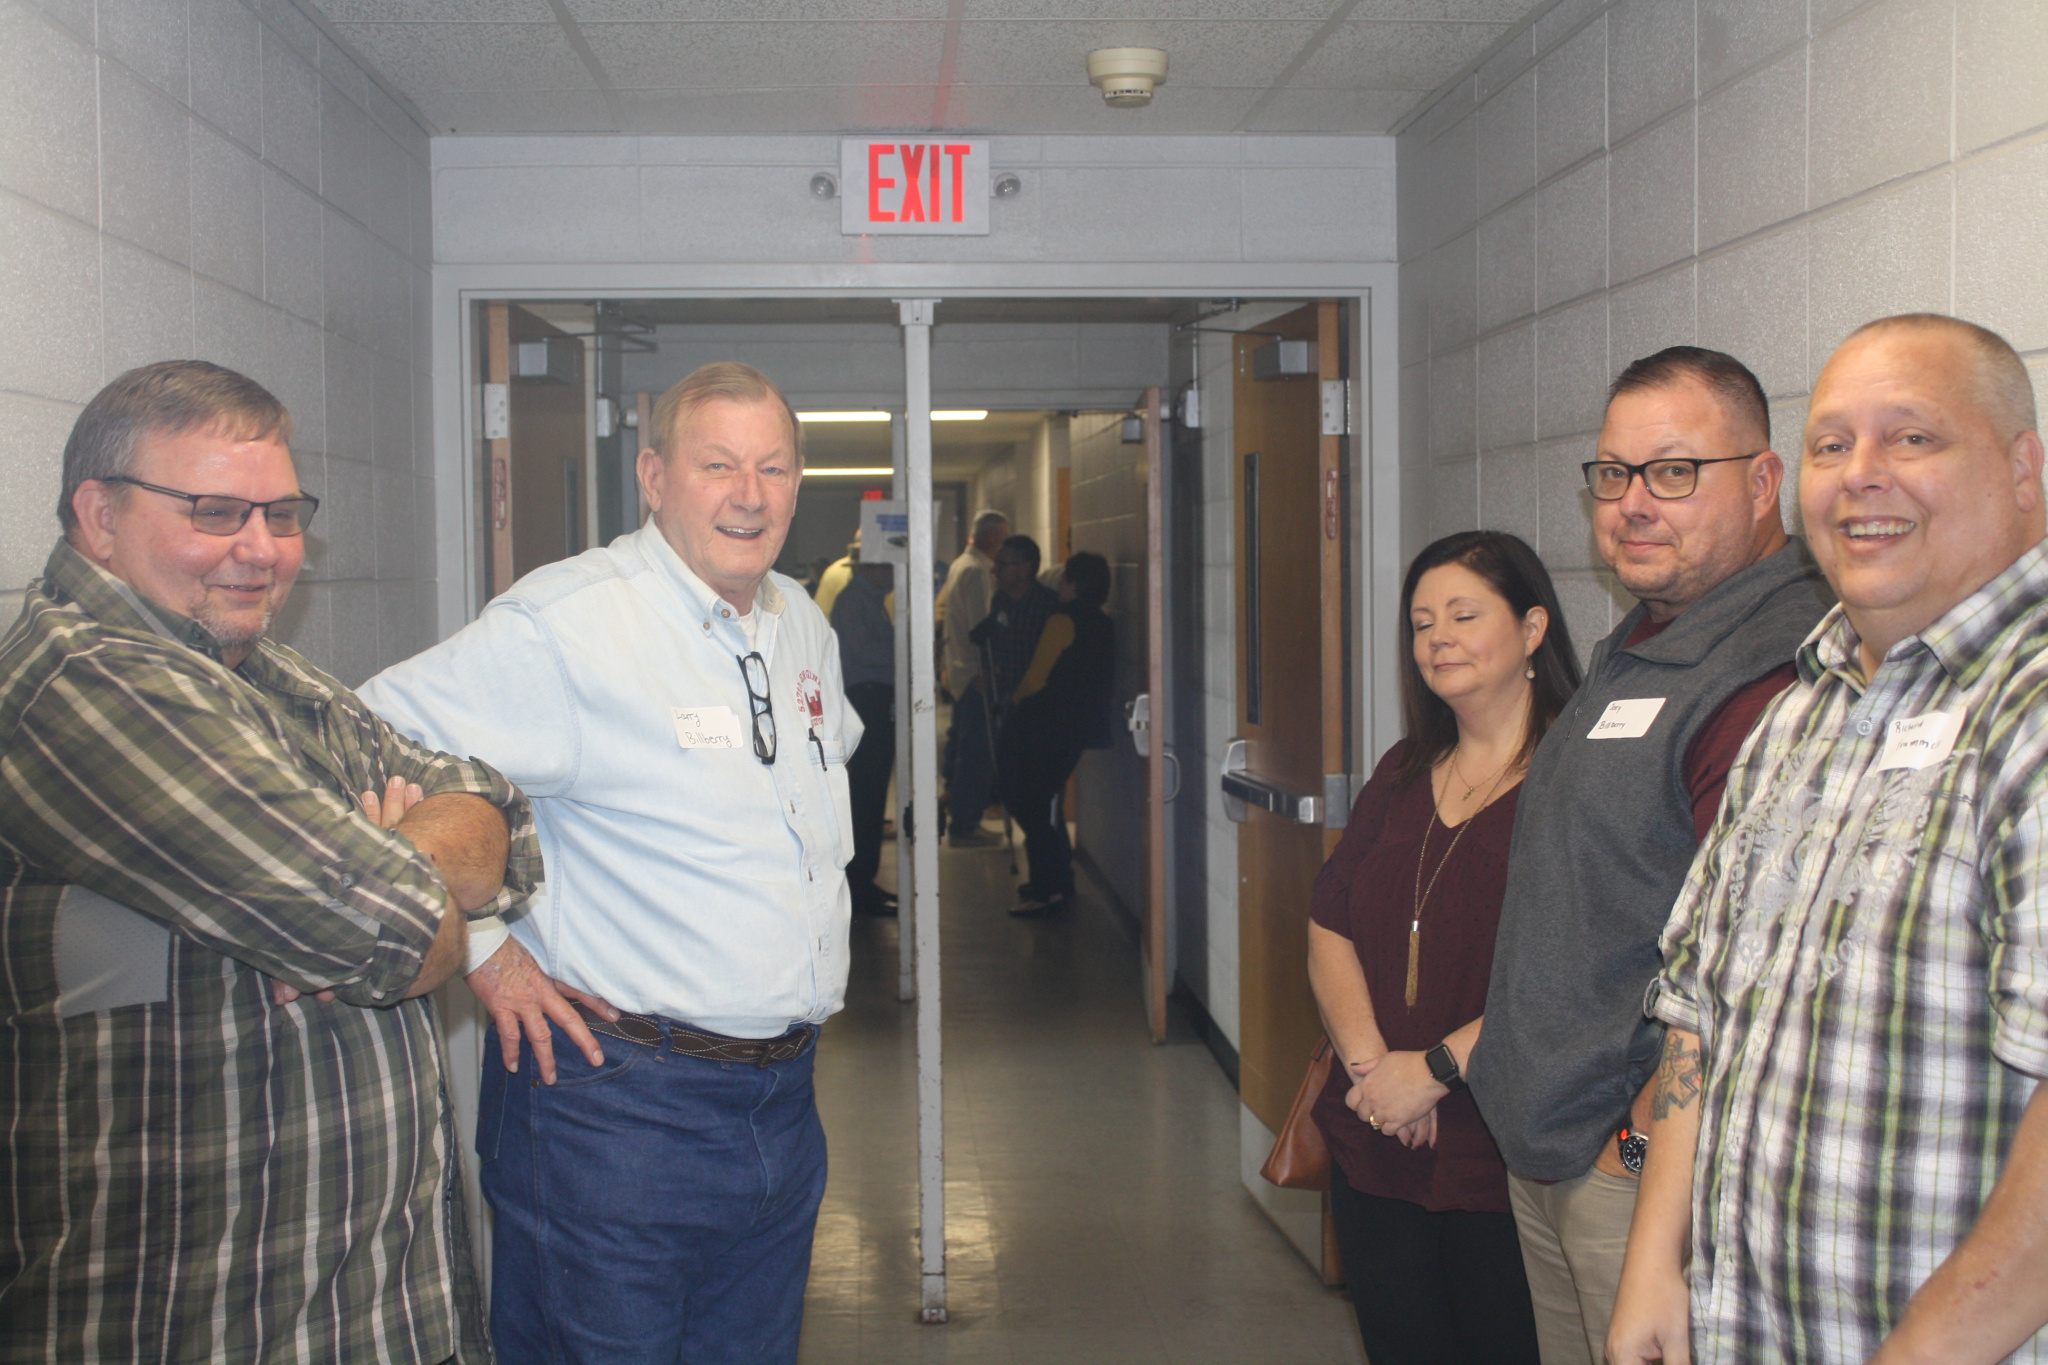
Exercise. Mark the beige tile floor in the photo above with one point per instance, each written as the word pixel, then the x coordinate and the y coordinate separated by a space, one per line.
pixel 1094 1212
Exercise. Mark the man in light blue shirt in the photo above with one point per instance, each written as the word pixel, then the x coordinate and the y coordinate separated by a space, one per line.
pixel 676 713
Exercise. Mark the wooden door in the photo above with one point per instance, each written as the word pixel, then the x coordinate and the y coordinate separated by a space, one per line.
pixel 534 507
pixel 1291 649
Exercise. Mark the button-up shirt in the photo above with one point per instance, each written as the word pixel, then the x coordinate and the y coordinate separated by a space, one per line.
pixel 189 1171
pixel 962 604
pixel 1862 945
pixel 686 878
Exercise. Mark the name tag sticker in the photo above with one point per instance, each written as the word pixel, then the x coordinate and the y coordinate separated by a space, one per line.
pixel 707 727
pixel 1628 719
pixel 1920 741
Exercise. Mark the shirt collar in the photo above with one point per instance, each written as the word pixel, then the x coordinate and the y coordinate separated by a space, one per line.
pixel 656 550
pixel 112 602
pixel 1695 632
pixel 1959 639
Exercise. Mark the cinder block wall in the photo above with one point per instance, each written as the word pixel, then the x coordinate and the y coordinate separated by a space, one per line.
pixel 1759 176
pixel 217 180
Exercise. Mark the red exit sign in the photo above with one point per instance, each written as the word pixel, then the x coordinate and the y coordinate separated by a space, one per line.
pixel 913 184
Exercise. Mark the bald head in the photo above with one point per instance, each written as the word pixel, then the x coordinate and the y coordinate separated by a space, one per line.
pixel 2003 389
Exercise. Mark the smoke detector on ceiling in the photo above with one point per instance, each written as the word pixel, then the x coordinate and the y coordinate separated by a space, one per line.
pixel 1126 75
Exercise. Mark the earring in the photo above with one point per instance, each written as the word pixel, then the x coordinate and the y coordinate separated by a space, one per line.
pixel 1530 673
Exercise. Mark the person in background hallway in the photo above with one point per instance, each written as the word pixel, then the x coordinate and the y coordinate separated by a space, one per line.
pixel 674 707
pixel 1685 510
pixel 962 603
pixel 867 660
pixel 836 576
pixel 225 890
pixel 1850 1134
pixel 1400 944
pixel 1062 706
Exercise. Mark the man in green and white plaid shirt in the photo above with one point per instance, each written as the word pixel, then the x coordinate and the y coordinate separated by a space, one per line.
pixel 1849 1134
pixel 225 890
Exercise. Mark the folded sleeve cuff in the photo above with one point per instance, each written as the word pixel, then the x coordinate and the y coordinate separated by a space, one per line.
pixel 1663 1001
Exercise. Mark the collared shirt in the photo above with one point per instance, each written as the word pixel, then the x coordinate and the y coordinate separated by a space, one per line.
pixel 962 603
pixel 685 877
pixel 189 1171
pixel 1862 945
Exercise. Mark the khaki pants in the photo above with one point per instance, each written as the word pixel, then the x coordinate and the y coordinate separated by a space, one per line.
pixel 1574 1234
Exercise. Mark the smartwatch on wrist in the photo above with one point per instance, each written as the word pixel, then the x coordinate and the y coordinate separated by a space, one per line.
pixel 1444 1068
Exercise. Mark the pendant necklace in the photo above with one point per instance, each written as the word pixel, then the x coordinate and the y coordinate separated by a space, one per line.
pixel 1422 856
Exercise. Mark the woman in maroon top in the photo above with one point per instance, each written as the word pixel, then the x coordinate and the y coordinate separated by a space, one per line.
pixel 1399 950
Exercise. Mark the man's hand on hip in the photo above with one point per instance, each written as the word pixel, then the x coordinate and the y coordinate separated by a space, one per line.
pixel 520 996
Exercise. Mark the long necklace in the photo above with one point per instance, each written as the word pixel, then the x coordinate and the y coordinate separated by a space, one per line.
pixel 1422 856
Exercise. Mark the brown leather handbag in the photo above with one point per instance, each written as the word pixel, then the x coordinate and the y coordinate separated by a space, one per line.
pixel 1301 1159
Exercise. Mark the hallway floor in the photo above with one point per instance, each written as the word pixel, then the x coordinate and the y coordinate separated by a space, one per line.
pixel 1094 1212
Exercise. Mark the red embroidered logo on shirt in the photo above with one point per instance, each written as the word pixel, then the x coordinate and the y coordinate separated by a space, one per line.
pixel 810 698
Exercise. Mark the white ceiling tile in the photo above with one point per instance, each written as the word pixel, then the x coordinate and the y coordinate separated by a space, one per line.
pixel 1371 54
pixel 1048 109
pixel 767 55
pixel 770 11
pixel 435 11
pixel 1457 11
pixel 1199 52
pixel 483 112
pixel 1333 111
pixel 1110 11
pixel 422 59
pixel 805 109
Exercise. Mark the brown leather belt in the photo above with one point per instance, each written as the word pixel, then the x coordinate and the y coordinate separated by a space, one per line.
pixel 649 1031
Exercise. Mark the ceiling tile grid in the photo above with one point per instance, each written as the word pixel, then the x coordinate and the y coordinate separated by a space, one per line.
pixel 846 67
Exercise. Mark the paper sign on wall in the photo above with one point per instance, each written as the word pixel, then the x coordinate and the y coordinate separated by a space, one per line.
pixel 913 184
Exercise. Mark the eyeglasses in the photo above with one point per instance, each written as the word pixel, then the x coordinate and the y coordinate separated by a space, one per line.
pixel 1669 478
pixel 214 514
pixel 754 669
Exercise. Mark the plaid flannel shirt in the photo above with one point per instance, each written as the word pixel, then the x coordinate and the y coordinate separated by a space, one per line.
pixel 199 1173
pixel 1862 946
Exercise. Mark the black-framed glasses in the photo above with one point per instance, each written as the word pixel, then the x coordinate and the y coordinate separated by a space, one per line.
pixel 1666 478
pixel 754 669
pixel 216 514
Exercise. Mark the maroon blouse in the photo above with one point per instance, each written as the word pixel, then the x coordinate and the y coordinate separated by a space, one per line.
pixel 1366 892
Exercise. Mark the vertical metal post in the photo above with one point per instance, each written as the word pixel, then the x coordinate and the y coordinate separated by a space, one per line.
pixel 916 317
pixel 906 872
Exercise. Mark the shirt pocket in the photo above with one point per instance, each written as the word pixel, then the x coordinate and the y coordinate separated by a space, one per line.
pixel 838 791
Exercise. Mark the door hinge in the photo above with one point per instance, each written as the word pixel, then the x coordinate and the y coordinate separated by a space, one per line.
pixel 1336 408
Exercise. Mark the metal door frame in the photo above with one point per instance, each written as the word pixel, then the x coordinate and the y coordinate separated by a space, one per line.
pixel 918 291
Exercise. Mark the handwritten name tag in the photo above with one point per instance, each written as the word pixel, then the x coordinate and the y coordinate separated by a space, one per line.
pixel 707 727
pixel 1628 719
pixel 1920 741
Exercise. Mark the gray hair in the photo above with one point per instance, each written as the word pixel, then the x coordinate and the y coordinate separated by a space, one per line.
pixel 986 520
pixel 168 398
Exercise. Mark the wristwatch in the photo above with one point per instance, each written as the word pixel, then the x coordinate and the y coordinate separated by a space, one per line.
pixel 1634 1147
pixel 1444 1067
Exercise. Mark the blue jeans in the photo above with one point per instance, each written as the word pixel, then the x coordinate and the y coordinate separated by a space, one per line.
pixel 658 1208
pixel 974 763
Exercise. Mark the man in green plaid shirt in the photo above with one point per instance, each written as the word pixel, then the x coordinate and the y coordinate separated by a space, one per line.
pixel 1849 1131
pixel 225 890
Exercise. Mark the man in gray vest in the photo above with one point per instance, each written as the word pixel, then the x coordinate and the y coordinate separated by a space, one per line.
pixel 1685 511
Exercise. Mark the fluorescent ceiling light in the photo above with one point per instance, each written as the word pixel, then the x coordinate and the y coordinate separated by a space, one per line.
pixel 960 415
pixel 843 472
pixel 842 417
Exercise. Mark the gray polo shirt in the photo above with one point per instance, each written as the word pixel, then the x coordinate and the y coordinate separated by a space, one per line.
pixel 1603 840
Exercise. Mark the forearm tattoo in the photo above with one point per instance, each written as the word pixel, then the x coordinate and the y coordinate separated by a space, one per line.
pixel 1678 1077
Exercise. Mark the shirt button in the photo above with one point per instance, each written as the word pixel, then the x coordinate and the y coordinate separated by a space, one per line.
pixel 1862 727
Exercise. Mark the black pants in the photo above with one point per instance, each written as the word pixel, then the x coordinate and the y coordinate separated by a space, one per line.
pixel 1433 1288
pixel 867 779
pixel 1033 783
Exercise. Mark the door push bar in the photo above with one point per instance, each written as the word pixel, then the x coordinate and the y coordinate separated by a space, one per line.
pixel 1242 790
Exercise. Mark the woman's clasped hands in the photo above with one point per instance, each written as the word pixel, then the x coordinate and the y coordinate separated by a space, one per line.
pixel 1397 1096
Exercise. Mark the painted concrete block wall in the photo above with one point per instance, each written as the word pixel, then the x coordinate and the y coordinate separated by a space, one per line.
pixel 748 199
pixel 213 179
pixel 1753 175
